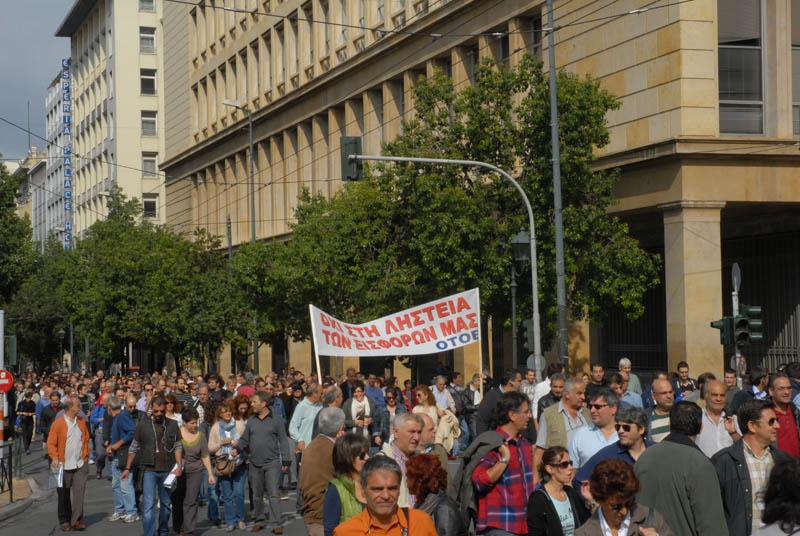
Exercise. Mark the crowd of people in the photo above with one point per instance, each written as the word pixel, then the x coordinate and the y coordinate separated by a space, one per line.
pixel 600 454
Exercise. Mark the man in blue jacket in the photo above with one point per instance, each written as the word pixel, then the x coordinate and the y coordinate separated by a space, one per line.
pixel 121 436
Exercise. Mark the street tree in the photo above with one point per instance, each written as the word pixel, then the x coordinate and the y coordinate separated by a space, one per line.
pixel 133 281
pixel 17 254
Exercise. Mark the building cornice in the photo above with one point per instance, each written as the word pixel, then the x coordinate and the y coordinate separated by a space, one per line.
pixel 80 10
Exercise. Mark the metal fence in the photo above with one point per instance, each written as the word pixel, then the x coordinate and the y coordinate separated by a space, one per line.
pixel 6 470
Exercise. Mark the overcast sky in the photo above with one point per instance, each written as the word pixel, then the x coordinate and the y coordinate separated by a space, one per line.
pixel 30 57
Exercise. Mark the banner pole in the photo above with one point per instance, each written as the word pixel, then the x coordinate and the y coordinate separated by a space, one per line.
pixel 313 338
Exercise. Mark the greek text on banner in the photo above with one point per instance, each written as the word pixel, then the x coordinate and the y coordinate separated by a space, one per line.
pixel 433 327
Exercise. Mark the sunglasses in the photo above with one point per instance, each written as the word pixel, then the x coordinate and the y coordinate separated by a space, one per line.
pixel 618 507
pixel 770 422
pixel 626 427
pixel 363 456
pixel 389 398
pixel 563 465
pixel 598 406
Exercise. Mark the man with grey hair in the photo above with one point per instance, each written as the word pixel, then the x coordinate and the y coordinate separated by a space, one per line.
pixel 331 398
pixel 601 432
pixel 68 449
pixel 634 385
pixel 380 480
pixel 442 394
pixel 407 434
pixel 560 421
pixel 317 468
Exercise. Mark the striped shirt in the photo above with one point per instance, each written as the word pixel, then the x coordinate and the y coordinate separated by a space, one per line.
pixel 659 427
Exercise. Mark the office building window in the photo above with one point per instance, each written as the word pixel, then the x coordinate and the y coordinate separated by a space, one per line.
pixel 150 205
pixel 741 95
pixel 150 164
pixel 147 5
pixel 147 39
pixel 147 81
pixel 149 126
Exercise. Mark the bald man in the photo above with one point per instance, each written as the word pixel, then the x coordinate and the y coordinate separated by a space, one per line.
pixel 719 429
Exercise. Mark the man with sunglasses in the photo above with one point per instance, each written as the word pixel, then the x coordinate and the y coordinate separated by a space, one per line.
pixel 600 433
pixel 744 467
pixel 631 426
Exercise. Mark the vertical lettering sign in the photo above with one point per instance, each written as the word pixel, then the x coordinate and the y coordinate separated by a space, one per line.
pixel 66 131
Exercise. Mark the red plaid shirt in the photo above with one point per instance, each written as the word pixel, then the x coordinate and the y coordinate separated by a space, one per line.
pixel 503 504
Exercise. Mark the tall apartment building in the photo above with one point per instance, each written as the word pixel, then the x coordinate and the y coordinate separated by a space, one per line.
pixel 705 136
pixel 117 105
pixel 48 213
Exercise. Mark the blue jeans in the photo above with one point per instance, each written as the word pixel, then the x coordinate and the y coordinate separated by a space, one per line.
pixel 124 494
pixel 152 489
pixel 233 495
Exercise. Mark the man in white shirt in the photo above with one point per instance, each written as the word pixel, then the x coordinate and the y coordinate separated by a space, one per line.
pixel 719 429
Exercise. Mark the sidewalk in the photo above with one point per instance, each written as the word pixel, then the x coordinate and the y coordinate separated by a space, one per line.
pixel 26 491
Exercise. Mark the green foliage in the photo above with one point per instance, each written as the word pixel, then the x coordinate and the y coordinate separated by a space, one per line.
pixel 132 281
pixel 410 233
pixel 17 255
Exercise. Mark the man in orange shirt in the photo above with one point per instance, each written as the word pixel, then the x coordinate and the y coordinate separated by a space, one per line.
pixel 68 444
pixel 380 479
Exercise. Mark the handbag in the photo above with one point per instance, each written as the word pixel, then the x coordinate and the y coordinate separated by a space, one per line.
pixel 224 466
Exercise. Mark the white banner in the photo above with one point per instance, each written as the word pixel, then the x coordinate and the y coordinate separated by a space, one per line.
pixel 436 326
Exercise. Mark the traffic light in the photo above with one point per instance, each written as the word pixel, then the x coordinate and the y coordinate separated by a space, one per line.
pixel 352 170
pixel 747 325
pixel 528 334
pixel 725 327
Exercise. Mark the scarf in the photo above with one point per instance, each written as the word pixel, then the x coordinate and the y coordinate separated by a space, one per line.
pixel 430 503
pixel 358 407
pixel 227 429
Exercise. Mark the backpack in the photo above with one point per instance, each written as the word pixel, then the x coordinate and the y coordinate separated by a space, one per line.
pixel 461 488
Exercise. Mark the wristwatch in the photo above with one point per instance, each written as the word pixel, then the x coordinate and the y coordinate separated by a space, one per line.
pixel 503 460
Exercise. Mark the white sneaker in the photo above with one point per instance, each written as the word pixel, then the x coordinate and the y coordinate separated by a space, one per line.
pixel 91 462
pixel 116 517
pixel 131 518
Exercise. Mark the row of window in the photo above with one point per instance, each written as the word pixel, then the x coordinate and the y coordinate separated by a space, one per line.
pixel 742 66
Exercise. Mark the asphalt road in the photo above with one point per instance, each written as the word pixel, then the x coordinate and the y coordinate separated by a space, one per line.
pixel 41 517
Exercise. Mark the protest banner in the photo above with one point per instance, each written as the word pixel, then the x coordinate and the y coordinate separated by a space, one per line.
pixel 433 327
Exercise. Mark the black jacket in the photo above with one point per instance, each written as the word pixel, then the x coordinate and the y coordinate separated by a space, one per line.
pixel 447 518
pixel 734 480
pixel 542 516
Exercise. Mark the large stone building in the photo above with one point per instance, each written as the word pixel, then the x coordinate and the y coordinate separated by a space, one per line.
pixel 705 136
pixel 117 105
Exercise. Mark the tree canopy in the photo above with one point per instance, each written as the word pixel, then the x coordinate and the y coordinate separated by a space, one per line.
pixel 410 233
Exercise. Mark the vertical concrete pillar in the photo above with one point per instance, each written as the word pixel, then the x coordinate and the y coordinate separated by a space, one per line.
pixel 693 284
pixel 300 356
pixel 467 360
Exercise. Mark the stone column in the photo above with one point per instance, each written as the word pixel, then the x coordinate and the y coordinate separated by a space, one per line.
pixel 693 284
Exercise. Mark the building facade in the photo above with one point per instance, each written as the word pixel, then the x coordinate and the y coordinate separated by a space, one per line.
pixel 117 106
pixel 704 137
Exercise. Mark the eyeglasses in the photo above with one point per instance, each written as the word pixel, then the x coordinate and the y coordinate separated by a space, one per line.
pixel 620 506
pixel 563 465
pixel 626 427
pixel 598 406
pixel 363 456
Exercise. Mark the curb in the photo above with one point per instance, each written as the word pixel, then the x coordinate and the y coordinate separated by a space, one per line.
pixel 17 507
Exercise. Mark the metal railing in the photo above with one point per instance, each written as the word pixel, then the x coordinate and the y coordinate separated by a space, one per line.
pixel 6 470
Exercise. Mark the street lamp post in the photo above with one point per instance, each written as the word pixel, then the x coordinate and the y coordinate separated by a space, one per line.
pixel 537 338
pixel 235 104
pixel 61 334
pixel 521 254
